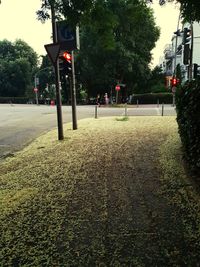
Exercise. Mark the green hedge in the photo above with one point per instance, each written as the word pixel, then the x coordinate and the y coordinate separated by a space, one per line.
pixel 14 100
pixel 188 118
pixel 152 98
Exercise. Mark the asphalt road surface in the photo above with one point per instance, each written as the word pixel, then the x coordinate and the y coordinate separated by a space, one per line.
pixel 20 124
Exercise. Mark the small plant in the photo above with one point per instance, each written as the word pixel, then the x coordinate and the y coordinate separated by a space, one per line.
pixel 124 118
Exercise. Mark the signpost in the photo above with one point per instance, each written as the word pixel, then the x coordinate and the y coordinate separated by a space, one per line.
pixel 64 39
pixel 68 37
pixel 36 94
pixel 54 57
pixel 53 51
pixel 173 94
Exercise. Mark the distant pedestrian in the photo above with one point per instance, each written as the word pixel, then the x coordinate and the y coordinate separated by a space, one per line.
pixel 98 100
pixel 106 98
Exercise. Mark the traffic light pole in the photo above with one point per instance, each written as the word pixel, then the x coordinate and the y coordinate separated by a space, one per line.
pixel 191 55
pixel 57 78
pixel 176 42
pixel 73 93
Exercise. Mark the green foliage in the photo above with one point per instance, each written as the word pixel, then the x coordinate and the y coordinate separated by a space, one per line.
pixel 190 9
pixel 46 77
pixel 188 118
pixel 124 118
pixel 154 98
pixel 83 96
pixel 158 88
pixel 114 46
pixel 17 63
pixel 74 10
pixel 156 83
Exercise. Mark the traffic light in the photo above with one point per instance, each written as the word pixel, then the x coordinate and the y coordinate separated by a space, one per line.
pixel 67 56
pixel 186 54
pixel 196 71
pixel 174 81
pixel 178 32
pixel 65 64
pixel 186 36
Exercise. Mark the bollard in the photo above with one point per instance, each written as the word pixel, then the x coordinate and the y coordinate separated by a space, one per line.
pixel 158 103
pixel 173 100
pixel 137 103
pixel 126 110
pixel 162 109
pixel 96 112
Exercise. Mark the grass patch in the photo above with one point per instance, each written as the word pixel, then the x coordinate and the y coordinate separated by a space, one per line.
pixel 110 194
pixel 124 118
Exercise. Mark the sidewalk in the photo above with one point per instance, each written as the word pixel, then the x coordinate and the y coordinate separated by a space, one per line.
pixel 114 193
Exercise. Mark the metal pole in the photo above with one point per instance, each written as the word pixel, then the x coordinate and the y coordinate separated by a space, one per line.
pixel 162 109
pixel 36 93
pixel 117 97
pixel 191 53
pixel 73 95
pixel 95 112
pixel 126 110
pixel 57 80
pixel 173 100
pixel 175 52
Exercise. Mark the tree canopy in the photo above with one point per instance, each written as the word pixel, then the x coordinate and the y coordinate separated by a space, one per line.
pixel 190 9
pixel 74 10
pixel 17 63
pixel 114 46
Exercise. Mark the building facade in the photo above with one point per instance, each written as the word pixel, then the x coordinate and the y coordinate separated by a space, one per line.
pixel 183 51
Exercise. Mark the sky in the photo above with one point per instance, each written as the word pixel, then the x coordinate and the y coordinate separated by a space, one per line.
pixel 18 20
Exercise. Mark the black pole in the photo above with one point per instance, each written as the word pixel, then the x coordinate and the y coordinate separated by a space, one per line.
pixel 57 78
pixel 191 53
pixel 162 109
pixel 73 94
pixel 95 114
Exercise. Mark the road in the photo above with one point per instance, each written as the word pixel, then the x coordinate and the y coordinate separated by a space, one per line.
pixel 20 124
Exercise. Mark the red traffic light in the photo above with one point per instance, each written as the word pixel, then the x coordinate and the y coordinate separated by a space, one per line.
pixel 67 56
pixel 174 81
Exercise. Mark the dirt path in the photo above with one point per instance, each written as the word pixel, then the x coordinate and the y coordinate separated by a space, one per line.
pixel 101 204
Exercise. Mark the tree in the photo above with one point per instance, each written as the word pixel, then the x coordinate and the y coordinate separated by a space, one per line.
pixel 156 83
pixel 46 77
pixel 114 46
pixel 17 64
pixel 74 10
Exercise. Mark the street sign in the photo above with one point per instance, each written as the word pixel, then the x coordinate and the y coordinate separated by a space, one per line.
pixel 117 87
pixel 53 51
pixel 68 37
pixel 37 81
pixel 35 90
pixel 122 84
pixel 174 89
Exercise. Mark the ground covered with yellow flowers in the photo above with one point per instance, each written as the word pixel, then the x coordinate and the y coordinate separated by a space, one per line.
pixel 113 193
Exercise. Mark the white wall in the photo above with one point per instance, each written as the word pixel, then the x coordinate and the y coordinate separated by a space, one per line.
pixel 196 44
